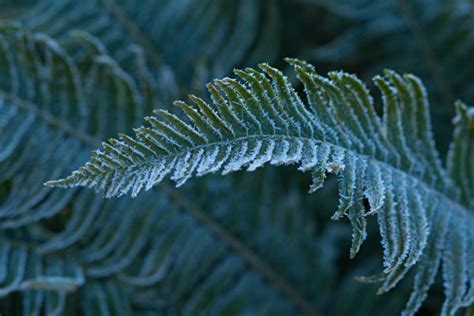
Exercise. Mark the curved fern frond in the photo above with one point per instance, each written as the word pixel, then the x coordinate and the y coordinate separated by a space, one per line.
pixel 45 121
pixel 44 281
pixel 392 162
pixel 30 269
pixel 46 127
pixel 48 122
pixel 212 31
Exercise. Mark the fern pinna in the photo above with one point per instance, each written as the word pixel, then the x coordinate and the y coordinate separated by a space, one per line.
pixel 424 211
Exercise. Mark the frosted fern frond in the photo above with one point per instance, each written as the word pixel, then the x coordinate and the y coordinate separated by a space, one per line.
pixel 390 161
pixel 52 109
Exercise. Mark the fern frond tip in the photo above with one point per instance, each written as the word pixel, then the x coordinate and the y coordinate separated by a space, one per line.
pixel 61 183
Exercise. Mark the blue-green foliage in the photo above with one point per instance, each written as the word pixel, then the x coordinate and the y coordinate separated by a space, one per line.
pixel 74 73
pixel 123 240
pixel 391 162
pixel 213 36
pixel 55 108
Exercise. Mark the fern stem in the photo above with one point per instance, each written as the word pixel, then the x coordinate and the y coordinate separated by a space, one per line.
pixel 246 253
pixel 462 209
pixel 50 119
pixel 93 142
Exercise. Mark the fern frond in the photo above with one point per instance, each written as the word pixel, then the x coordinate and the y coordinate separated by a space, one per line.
pixel 460 162
pixel 144 245
pixel 43 280
pixel 36 130
pixel 212 31
pixel 40 138
pixel 30 269
pixel 390 161
pixel 46 127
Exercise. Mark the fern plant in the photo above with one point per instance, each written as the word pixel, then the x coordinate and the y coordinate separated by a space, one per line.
pixel 424 211
pixel 64 253
pixel 73 74
pixel 35 69
pixel 152 26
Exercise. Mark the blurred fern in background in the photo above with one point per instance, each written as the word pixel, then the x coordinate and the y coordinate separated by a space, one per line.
pixel 73 74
